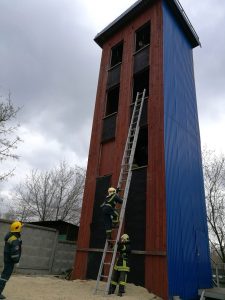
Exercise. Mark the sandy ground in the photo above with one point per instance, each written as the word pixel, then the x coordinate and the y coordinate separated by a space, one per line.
pixel 22 287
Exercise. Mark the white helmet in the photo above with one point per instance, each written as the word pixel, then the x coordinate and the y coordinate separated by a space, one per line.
pixel 111 190
pixel 125 237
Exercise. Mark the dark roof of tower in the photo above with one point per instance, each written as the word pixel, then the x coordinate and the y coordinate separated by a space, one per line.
pixel 140 6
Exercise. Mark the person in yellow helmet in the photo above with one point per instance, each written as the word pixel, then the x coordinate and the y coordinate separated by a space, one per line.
pixel 121 268
pixel 111 216
pixel 12 253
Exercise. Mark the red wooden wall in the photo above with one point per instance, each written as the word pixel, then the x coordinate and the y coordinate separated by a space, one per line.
pixel 99 163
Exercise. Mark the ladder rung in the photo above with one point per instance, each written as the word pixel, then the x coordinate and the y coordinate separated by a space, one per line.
pixel 104 276
pixel 107 263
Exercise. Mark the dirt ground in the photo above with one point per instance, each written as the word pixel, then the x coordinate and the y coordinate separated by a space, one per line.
pixel 22 287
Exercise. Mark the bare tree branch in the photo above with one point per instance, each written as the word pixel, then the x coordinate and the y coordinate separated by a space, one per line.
pixel 214 175
pixel 52 195
pixel 8 140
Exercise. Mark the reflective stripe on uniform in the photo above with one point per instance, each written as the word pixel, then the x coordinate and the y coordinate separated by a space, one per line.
pixel 113 282
pixel 106 204
pixel 124 267
pixel 12 238
pixel 123 282
pixel 3 279
pixel 110 200
pixel 115 218
pixel 120 268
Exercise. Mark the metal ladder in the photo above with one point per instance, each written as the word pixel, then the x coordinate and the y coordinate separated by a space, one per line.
pixel 123 185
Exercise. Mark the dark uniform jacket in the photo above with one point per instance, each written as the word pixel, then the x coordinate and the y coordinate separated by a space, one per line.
pixel 111 200
pixel 12 249
pixel 122 263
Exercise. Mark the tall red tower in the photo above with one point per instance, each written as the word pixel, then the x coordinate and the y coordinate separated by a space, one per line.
pixel 149 46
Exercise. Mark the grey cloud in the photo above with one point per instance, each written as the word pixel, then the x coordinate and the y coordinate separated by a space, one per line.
pixel 208 18
pixel 50 63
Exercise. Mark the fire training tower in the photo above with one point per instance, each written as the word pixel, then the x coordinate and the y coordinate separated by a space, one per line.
pixel 149 47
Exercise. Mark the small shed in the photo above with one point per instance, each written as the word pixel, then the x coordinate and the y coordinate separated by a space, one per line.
pixel 67 231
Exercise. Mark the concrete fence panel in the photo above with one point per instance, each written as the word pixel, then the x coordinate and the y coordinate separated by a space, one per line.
pixel 42 253
pixel 64 257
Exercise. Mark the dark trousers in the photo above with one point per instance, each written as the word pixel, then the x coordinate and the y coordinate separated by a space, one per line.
pixel 6 273
pixel 110 216
pixel 120 278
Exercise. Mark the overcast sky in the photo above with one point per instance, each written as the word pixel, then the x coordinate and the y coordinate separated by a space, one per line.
pixel 50 64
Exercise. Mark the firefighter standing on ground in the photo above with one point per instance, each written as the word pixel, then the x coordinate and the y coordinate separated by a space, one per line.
pixel 111 216
pixel 121 268
pixel 12 253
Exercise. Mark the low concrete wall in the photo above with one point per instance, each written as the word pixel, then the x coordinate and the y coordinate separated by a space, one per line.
pixel 64 257
pixel 42 253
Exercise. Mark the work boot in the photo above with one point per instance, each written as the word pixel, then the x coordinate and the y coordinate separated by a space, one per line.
pixel 2 297
pixel 121 290
pixel 111 290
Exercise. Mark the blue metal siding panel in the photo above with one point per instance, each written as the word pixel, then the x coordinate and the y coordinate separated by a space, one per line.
pixel 187 235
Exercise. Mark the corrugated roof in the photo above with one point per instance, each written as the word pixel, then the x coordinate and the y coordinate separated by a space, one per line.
pixel 136 9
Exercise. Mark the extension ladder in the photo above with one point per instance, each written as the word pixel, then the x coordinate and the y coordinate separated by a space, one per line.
pixel 123 185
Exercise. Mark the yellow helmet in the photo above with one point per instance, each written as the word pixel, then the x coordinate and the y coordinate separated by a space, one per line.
pixel 125 237
pixel 111 190
pixel 16 226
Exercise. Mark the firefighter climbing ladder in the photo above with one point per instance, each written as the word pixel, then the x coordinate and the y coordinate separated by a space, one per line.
pixel 123 185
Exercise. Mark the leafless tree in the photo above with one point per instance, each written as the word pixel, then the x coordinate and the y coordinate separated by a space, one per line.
pixel 51 195
pixel 8 140
pixel 214 177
